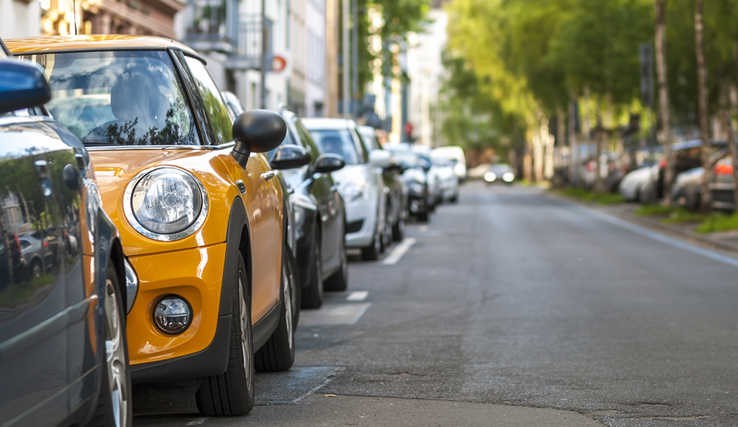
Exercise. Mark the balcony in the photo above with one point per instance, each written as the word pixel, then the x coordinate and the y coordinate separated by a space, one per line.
pixel 209 28
pixel 246 54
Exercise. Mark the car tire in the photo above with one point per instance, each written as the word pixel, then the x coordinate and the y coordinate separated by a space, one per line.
pixel 36 269
pixel 338 282
pixel 423 217
pixel 398 230
pixel 454 198
pixel 312 296
pixel 386 236
pixel 232 392
pixel 278 353
pixel 374 250
pixel 115 402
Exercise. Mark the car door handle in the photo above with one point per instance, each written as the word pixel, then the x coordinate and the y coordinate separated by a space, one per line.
pixel 268 175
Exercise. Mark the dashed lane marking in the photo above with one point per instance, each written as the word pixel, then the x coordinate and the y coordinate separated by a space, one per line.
pixel 334 314
pixel 398 252
pixel 357 296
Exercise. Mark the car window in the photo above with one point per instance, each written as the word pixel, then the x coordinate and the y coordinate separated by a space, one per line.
pixel 118 97
pixel 337 141
pixel 307 140
pixel 406 158
pixel 370 139
pixel 25 244
pixel 220 119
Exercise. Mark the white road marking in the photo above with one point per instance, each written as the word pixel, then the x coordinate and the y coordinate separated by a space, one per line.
pixel 198 421
pixel 398 251
pixel 334 314
pixel 357 296
pixel 660 237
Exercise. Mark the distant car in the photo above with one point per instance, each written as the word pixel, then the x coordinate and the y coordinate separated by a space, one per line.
pixel 456 155
pixel 64 358
pixel 499 173
pixel 397 192
pixel 687 189
pixel 634 185
pixel 432 172
pixel 448 178
pixel 360 182
pixel 415 180
pixel 721 187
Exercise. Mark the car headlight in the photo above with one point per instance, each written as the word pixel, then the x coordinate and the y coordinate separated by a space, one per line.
pixel 353 192
pixel 508 177
pixel 490 176
pixel 165 204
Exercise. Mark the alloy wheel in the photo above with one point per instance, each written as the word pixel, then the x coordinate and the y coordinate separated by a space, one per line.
pixel 245 332
pixel 115 355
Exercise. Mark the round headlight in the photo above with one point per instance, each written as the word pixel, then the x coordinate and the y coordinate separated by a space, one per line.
pixel 172 314
pixel 165 204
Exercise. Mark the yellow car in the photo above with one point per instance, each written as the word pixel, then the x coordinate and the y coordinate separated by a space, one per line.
pixel 201 219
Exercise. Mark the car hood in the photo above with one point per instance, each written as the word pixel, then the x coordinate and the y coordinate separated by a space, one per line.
pixel 350 174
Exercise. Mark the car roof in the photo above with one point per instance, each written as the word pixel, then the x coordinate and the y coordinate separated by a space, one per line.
pixel 328 124
pixel 694 143
pixel 94 43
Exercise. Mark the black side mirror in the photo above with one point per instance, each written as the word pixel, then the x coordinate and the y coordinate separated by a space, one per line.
pixel 328 163
pixel 257 131
pixel 394 166
pixel 22 85
pixel 290 156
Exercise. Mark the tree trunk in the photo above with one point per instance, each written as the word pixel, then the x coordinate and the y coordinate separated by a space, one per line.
pixel 573 144
pixel 661 78
pixel 598 186
pixel 702 105
pixel 731 136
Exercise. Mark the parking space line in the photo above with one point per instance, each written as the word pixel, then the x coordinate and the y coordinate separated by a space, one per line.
pixel 198 421
pixel 398 252
pixel 357 296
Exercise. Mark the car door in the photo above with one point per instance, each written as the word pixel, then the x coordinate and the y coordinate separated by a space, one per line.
pixel 329 203
pixel 261 195
pixel 38 315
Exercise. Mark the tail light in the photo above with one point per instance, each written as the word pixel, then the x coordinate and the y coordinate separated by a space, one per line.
pixel 46 243
pixel 723 169
pixel 662 164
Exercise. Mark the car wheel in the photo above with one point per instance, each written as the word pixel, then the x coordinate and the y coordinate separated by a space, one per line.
pixel 398 230
pixel 313 293
pixel 278 354
pixel 114 405
pixel 454 198
pixel 374 250
pixel 338 282
pixel 386 236
pixel 232 392
pixel 423 217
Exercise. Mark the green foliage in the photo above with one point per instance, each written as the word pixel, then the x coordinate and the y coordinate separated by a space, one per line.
pixel 650 210
pixel 681 215
pixel 718 222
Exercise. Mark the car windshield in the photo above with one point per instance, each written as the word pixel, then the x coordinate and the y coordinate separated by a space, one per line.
pixel 118 97
pixel 336 141
pixel 500 169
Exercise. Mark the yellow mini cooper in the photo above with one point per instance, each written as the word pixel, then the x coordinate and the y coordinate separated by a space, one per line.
pixel 201 219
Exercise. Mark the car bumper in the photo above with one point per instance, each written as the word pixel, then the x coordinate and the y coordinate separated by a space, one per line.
pixel 202 349
pixel 365 213
pixel 417 205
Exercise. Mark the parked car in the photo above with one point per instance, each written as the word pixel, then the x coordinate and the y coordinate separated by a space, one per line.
pixel 432 172
pixel 62 328
pixel 721 187
pixel 500 172
pixel 634 187
pixel 396 191
pixel 190 190
pixel 478 171
pixel 456 155
pixel 414 179
pixel 447 177
pixel 687 189
pixel 360 182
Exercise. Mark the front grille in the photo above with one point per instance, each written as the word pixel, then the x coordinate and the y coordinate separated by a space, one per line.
pixel 354 227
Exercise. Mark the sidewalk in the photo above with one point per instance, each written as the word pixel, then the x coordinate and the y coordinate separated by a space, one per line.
pixel 724 241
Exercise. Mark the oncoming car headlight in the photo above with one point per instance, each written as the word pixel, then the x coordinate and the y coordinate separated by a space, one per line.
pixel 165 204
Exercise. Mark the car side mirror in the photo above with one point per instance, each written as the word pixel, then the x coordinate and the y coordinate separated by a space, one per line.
pixel 257 131
pixel 379 158
pixel 327 163
pixel 22 85
pixel 290 156
pixel 394 166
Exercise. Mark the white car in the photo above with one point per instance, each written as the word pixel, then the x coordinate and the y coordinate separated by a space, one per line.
pixel 360 182
pixel 449 181
pixel 633 186
pixel 456 155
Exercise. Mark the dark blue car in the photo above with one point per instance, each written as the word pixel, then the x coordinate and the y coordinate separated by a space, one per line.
pixel 63 351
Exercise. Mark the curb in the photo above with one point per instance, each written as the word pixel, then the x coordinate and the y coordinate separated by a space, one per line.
pixel 652 224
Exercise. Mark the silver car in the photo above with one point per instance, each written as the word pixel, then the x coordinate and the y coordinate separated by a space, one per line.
pixel 360 182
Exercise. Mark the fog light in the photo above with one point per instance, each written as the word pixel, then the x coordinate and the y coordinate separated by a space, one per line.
pixel 172 314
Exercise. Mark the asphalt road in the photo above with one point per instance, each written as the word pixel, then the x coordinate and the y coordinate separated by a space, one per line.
pixel 511 308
